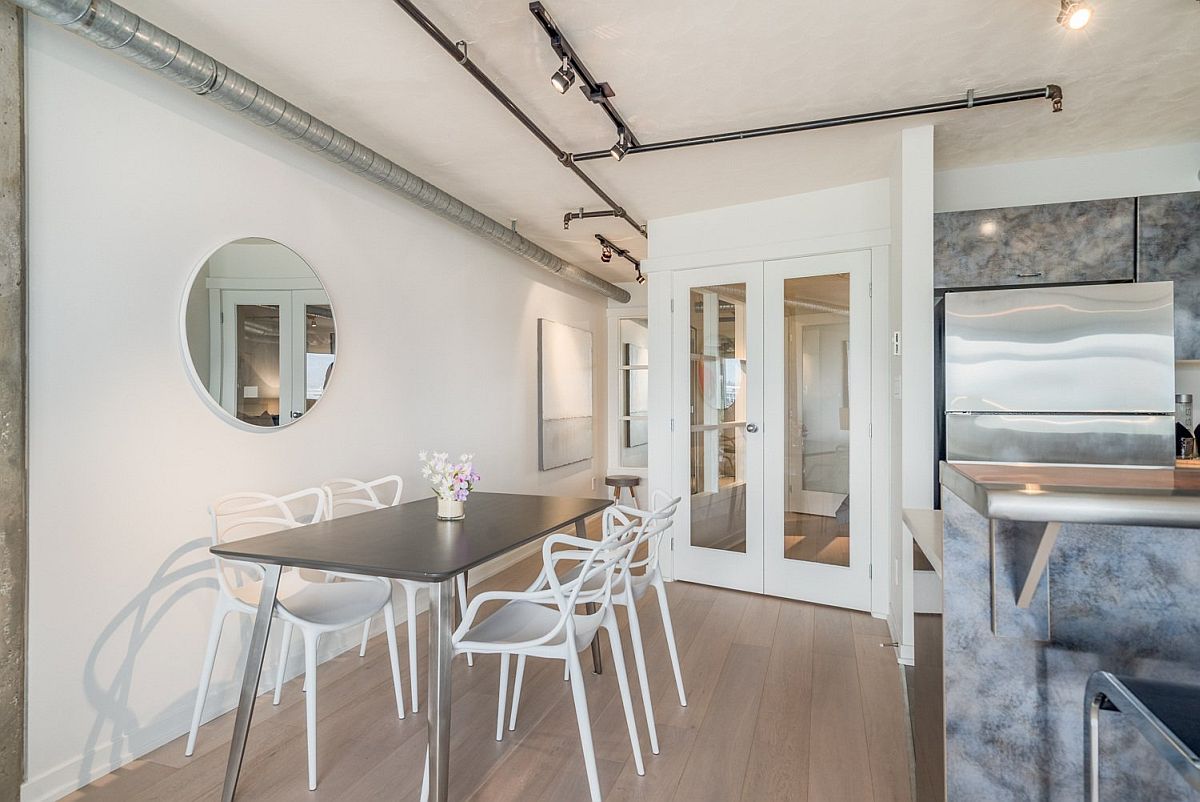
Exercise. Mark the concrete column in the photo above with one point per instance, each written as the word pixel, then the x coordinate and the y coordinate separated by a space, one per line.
pixel 13 534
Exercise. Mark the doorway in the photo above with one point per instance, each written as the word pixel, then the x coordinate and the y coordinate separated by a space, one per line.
pixel 772 427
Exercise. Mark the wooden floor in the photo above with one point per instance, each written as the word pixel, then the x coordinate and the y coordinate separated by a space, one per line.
pixel 786 701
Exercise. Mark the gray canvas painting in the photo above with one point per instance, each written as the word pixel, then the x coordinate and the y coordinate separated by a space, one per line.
pixel 564 394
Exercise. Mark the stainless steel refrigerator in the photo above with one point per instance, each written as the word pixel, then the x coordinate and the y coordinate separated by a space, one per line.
pixel 1075 375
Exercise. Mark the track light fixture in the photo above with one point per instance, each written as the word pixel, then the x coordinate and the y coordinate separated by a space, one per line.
pixel 608 249
pixel 1074 15
pixel 621 147
pixel 565 76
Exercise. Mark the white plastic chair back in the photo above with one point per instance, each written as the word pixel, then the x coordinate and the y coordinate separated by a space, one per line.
pixel 656 522
pixel 350 496
pixel 238 516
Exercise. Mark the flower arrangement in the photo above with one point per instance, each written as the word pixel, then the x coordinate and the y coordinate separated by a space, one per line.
pixel 451 481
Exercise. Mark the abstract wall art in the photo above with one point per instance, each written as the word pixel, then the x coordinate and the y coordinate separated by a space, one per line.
pixel 564 394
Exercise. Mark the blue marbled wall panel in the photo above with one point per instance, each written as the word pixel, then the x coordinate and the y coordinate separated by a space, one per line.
pixel 1124 599
pixel 1169 250
pixel 1050 244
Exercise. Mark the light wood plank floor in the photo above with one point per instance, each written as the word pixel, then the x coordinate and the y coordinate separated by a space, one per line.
pixel 786 701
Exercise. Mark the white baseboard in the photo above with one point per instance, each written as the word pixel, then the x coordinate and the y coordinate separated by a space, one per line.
pixel 73 774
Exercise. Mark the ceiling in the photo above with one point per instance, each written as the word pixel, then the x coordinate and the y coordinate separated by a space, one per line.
pixel 1131 79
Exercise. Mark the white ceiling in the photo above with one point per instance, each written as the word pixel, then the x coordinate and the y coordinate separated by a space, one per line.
pixel 1131 79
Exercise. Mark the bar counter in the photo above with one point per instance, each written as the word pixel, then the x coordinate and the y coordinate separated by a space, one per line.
pixel 1049 574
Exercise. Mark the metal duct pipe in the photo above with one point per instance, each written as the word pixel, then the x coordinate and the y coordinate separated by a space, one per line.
pixel 116 28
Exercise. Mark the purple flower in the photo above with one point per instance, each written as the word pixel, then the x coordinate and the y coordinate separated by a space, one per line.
pixel 460 494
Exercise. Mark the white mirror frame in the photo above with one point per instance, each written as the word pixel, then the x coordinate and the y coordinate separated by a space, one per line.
pixel 185 352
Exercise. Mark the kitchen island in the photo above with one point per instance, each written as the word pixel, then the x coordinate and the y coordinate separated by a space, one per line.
pixel 1049 574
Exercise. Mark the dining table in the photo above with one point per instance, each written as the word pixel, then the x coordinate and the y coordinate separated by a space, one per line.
pixel 406 541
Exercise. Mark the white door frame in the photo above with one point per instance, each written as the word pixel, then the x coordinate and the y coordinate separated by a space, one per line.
pixel 738 570
pixel 838 586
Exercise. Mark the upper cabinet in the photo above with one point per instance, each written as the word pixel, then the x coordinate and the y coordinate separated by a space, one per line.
pixel 1169 250
pixel 1056 243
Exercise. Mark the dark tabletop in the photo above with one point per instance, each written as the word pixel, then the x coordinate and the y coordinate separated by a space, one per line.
pixel 408 542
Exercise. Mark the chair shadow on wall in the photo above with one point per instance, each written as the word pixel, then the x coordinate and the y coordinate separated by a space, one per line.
pixel 108 691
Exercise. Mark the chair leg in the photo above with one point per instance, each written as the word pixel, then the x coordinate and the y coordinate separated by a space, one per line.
pixel 425 778
pixel 504 661
pixel 579 694
pixel 639 661
pixel 618 653
pixel 389 622
pixel 461 587
pixel 516 700
pixel 1091 752
pixel 285 643
pixel 410 600
pixel 210 656
pixel 661 591
pixel 362 649
pixel 310 704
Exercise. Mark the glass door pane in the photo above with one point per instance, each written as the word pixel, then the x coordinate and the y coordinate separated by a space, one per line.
pixel 257 338
pixel 320 343
pixel 816 313
pixel 718 416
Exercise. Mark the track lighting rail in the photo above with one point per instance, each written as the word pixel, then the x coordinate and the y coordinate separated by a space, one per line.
pixel 598 92
pixel 564 158
pixel 609 248
pixel 1052 92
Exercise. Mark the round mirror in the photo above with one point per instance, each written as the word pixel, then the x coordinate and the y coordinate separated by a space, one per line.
pixel 259 333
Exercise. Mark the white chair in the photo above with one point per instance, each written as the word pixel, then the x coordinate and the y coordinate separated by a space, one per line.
pixel 544 624
pixel 315 608
pixel 628 588
pixel 350 496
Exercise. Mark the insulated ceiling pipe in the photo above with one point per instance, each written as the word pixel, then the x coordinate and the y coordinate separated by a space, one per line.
pixel 117 29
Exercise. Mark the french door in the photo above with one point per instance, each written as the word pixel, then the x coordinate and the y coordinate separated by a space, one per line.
pixel 771 439
pixel 272 353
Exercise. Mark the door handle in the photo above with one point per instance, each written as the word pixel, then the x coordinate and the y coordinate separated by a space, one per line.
pixel 296 414
pixel 752 427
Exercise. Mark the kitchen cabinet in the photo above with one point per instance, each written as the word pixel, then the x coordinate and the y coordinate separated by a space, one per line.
pixel 1057 243
pixel 1169 250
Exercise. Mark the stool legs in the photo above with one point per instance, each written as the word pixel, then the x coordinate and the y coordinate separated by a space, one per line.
pixel 1091 750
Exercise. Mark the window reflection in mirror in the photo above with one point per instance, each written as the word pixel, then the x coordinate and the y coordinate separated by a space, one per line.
pixel 259 333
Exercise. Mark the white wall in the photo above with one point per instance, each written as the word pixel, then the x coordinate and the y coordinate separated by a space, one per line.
pixel 131 183
pixel 812 222
pixel 1122 174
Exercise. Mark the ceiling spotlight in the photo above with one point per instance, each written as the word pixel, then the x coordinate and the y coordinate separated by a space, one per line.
pixel 565 76
pixel 621 147
pixel 606 254
pixel 640 278
pixel 1074 14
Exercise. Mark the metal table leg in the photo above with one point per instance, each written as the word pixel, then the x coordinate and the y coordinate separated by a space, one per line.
pixel 597 662
pixel 254 661
pixel 441 624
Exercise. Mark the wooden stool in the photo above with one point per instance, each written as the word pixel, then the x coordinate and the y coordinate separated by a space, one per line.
pixel 619 482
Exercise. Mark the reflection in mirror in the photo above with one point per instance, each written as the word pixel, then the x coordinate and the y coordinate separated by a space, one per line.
pixel 259 332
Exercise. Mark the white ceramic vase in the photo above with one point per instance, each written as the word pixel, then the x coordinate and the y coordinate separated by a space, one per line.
pixel 450 510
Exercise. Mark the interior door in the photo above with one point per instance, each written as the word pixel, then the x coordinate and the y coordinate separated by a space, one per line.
pixel 717 314
pixel 817 333
pixel 257 351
